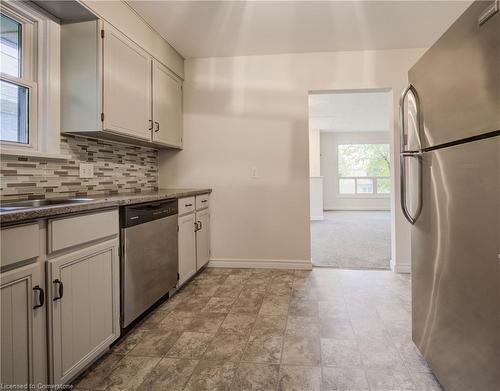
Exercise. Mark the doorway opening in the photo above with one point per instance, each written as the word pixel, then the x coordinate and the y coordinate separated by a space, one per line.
pixel 350 178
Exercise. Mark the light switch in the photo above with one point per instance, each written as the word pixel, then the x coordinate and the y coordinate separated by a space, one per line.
pixel 253 173
pixel 86 170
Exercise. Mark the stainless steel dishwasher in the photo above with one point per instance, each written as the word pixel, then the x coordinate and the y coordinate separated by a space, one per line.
pixel 149 264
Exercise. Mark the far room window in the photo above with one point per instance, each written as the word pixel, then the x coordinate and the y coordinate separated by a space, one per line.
pixel 17 85
pixel 364 169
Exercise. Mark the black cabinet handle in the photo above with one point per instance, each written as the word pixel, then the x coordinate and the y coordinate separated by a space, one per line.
pixel 203 201
pixel 196 226
pixel 41 297
pixel 60 290
pixel 200 225
pixel 150 124
pixel 157 126
pixel 187 205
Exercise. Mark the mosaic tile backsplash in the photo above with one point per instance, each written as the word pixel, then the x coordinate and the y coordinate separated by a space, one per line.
pixel 118 168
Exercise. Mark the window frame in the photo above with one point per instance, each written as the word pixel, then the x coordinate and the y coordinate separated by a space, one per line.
pixel 356 194
pixel 374 179
pixel 29 20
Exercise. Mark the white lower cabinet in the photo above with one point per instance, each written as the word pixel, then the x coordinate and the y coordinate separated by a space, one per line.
pixel 187 247
pixel 202 238
pixel 84 307
pixel 23 339
pixel 59 296
pixel 194 236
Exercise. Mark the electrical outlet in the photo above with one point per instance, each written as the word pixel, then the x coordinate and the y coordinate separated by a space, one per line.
pixel 86 170
pixel 253 173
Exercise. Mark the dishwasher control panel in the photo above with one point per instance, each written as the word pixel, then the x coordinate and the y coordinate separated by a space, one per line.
pixel 142 213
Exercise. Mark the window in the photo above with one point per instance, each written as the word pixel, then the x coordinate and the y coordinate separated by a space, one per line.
pixel 11 46
pixel 364 169
pixel 18 99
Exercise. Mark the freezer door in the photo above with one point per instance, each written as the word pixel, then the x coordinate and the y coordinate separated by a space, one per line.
pixel 458 79
pixel 455 266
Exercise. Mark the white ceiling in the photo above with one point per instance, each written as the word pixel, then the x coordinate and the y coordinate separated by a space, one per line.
pixel 231 28
pixel 350 111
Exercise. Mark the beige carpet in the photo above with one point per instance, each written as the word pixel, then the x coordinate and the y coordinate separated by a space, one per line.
pixel 352 240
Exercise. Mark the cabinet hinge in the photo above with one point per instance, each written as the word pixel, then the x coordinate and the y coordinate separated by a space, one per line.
pixel 102 33
pixel 102 117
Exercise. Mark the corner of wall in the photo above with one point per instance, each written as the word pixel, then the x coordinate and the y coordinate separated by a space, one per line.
pixel 403 268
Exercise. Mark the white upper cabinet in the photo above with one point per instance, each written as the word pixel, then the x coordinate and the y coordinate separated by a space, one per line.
pixel 127 86
pixel 167 106
pixel 112 88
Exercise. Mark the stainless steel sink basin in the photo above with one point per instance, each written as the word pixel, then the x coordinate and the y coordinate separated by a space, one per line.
pixel 28 204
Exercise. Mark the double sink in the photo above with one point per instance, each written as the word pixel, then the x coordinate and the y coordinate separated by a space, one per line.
pixel 29 204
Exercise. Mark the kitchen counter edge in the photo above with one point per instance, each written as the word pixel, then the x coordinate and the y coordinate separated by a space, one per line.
pixel 98 202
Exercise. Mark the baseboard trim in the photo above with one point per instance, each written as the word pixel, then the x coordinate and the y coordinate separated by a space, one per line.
pixel 398 268
pixel 330 209
pixel 261 264
pixel 317 218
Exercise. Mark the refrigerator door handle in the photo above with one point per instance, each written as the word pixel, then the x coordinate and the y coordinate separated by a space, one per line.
pixel 412 219
pixel 402 127
pixel 488 12
pixel 404 154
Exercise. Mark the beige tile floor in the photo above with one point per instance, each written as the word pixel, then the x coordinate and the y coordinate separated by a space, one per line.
pixel 270 330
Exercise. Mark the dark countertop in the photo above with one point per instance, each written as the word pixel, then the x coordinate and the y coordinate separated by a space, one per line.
pixel 98 202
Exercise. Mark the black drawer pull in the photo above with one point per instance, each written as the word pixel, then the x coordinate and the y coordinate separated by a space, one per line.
pixel 186 205
pixel 41 297
pixel 60 290
pixel 200 225
pixel 203 201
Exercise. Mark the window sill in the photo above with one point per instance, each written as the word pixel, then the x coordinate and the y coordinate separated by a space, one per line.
pixel 43 155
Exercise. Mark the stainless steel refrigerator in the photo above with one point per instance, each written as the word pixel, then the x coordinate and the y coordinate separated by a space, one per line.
pixel 450 193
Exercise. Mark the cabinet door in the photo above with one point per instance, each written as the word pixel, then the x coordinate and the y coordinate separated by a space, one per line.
pixel 187 247
pixel 84 297
pixel 167 106
pixel 23 353
pixel 202 238
pixel 127 86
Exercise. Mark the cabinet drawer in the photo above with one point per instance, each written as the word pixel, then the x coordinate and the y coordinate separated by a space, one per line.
pixel 72 231
pixel 19 243
pixel 186 205
pixel 202 201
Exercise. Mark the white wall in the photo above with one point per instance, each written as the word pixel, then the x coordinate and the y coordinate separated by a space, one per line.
pixel 316 181
pixel 253 111
pixel 316 197
pixel 332 200
pixel 314 152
